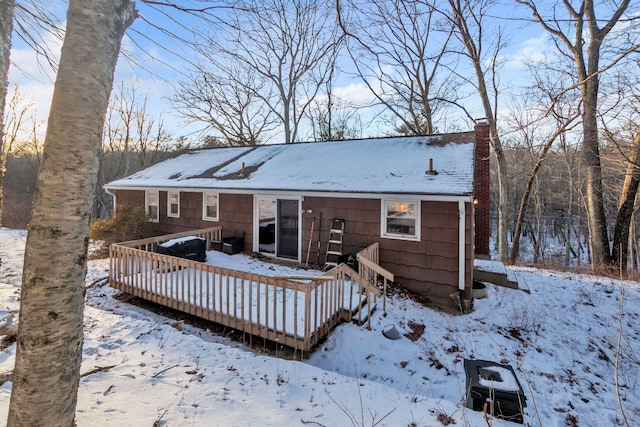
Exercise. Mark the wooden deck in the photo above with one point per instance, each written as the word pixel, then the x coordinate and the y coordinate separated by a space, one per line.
pixel 297 311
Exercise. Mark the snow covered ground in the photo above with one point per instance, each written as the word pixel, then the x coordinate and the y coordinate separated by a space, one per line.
pixel 574 343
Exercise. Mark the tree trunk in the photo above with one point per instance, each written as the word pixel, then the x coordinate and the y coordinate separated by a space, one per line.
pixel 601 256
pixel 569 221
pixel 626 206
pixel 49 345
pixel 503 196
pixel 461 22
pixel 515 246
pixel 6 26
pixel 588 73
pixel 633 245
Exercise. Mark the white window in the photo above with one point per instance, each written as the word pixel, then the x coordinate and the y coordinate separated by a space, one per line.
pixel 401 219
pixel 151 202
pixel 173 204
pixel 210 206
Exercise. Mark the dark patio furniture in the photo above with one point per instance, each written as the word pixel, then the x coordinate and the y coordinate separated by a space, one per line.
pixel 216 245
pixel 234 244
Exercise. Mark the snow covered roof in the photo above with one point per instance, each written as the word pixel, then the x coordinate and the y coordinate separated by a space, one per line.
pixel 395 165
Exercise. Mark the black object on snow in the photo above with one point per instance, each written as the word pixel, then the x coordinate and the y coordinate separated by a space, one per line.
pixel 496 386
pixel 234 244
pixel 192 248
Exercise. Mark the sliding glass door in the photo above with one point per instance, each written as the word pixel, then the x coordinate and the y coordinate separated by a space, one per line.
pixel 278 226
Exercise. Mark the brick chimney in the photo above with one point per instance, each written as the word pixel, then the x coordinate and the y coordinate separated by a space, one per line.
pixel 481 189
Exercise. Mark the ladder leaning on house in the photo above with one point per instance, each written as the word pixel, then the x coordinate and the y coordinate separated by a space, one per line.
pixel 334 246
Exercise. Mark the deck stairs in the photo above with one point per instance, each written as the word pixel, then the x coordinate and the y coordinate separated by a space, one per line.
pixel 335 244
pixel 361 314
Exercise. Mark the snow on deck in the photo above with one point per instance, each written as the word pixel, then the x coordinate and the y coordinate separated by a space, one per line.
pixel 254 300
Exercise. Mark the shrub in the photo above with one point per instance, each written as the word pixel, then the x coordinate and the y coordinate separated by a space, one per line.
pixel 129 223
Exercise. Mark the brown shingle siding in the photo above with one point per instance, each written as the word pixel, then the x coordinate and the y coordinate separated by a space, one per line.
pixel 428 267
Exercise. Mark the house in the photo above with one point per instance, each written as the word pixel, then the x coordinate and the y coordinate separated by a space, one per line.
pixel 424 199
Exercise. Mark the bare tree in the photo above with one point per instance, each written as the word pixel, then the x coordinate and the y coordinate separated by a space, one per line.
pixel 227 102
pixel 49 342
pixel 286 46
pixel 332 118
pixel 580 36
pixel 481 48
pixel 32 21
pixel 398 48
pixel 23 149
pixel 6 26
pixel 621 232
pixel 623 133
pixel 539 118
pixel 119 125
pixel 15 119
pixel 133 138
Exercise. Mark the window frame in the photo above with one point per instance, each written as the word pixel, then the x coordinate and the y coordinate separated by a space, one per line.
pixel 415 237
pixel 147 205
pixel 205 195
pixel 169 213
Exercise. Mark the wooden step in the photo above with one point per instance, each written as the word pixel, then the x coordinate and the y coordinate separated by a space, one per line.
pixel 361 319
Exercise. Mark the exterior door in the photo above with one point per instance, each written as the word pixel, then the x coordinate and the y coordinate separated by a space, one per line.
pixel 266 220
pixel 287 226
pixel 278 226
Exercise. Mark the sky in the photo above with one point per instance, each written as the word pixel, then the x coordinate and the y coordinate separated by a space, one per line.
pixel 569 337
pixel 155 66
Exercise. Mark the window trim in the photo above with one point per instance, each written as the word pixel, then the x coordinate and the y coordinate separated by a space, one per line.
pixel 169 213
pixel 383 220
pixel 147 204
pixel 204 206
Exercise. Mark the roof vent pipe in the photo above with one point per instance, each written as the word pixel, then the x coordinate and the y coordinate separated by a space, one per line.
pixel 431 171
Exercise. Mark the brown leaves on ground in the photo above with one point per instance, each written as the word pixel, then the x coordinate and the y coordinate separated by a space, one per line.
pixel 417 330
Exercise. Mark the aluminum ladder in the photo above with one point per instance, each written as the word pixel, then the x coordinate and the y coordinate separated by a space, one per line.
pixel 334 246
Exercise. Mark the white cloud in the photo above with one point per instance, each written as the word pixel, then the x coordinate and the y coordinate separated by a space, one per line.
pixel 355 94
pixel 533 49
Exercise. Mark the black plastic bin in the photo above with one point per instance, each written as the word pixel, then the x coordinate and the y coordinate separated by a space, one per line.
pixel 497 386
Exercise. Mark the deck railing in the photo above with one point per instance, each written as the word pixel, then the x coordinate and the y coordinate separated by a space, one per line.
pixel 150 244
pixel 371 271
pixel 297 311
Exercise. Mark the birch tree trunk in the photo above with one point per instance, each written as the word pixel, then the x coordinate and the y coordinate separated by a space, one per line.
pixel 6 26
pixel 49 345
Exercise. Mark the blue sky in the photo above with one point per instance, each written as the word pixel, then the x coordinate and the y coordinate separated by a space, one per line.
pixel 154 66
